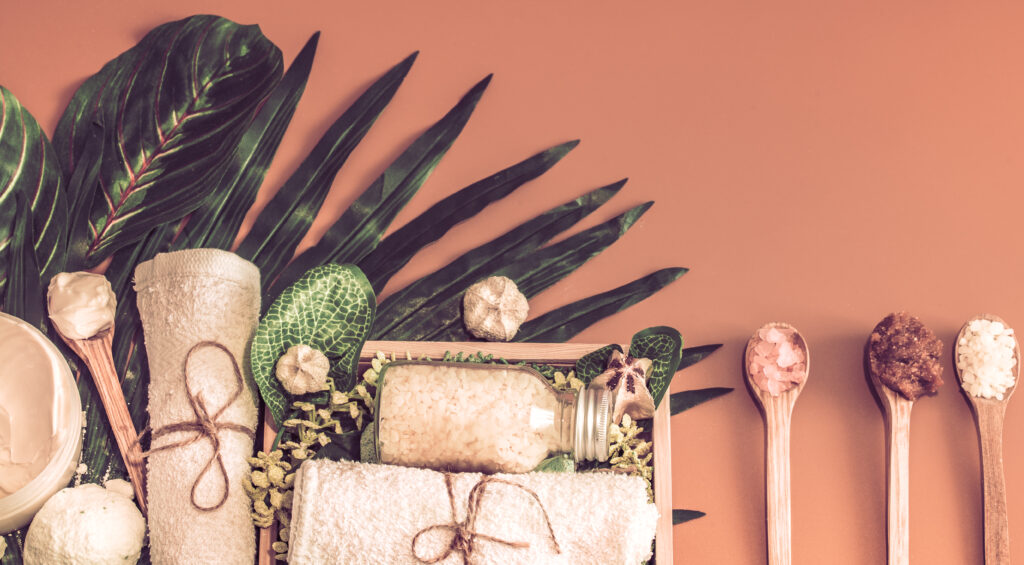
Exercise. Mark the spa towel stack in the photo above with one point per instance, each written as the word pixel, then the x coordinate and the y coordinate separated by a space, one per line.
pixel 347 512
pixel 186 298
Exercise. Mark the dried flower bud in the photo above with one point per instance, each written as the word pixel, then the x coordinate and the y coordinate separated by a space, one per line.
pixel 303 369
pixel 493 309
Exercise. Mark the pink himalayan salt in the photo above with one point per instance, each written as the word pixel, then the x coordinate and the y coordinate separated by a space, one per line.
pixel 777 363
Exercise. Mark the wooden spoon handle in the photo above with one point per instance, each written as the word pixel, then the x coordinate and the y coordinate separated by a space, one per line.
pixel 997 537
pixel 777 483
pixel 899 482
pixel 101 364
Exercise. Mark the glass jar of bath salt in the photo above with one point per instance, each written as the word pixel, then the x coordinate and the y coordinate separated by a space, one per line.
pixel 484 418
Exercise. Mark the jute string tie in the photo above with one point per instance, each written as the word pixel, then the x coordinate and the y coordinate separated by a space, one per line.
pixel 464 534
pixel 204 426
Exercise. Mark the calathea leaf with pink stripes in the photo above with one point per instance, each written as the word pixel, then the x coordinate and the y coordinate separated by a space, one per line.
pixel 141 139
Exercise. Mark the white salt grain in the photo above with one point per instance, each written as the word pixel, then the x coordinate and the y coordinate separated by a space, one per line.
pixel 986 359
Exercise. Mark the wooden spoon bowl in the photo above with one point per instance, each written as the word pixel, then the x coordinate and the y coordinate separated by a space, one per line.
pixel 989 414
pixel 777 412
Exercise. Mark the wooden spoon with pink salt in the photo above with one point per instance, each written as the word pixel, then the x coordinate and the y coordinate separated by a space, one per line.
pixel 776 363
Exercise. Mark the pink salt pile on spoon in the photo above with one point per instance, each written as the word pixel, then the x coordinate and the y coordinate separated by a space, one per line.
pixel 777 363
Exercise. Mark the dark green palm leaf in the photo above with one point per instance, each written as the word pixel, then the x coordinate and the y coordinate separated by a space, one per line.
pixel 283 223
pixel 534 272
pixel 171 109
pixel 679 516
pixel 398 248
pixel 438 288
pixel 691 355
pixel 216 223
pixel 683 401
pixel 563 323
pixel 29 168
pixel 360 228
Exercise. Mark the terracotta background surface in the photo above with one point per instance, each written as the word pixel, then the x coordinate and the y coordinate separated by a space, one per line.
pixel 812 162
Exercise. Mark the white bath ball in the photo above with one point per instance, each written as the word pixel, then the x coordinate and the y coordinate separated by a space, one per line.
pixel 85 525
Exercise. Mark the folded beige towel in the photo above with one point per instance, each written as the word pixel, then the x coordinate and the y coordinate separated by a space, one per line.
pixel 199 300
pixel 349 513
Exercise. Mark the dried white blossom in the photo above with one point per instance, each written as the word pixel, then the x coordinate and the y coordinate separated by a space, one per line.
pixel 303 369
pixel 493 309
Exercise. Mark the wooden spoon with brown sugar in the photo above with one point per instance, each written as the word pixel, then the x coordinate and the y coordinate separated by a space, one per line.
pixel 989 414
pixel 778 412
pixel 903 364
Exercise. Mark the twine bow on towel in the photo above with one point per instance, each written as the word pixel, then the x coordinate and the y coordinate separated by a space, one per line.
pixel 464 535
pixel 205 426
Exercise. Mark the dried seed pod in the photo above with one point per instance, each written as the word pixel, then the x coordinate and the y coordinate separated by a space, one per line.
pixel 493 309
pixel 303 369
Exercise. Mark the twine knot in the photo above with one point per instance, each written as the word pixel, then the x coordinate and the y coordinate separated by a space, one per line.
pixel 464 535
pixel 205 425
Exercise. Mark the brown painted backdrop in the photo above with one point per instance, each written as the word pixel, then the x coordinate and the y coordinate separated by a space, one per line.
pixel 814 163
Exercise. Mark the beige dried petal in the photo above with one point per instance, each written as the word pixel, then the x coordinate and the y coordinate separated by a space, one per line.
pixel 493 309
pixel 302 370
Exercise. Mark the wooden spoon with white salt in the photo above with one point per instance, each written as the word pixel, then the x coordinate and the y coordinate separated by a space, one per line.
pixel 989 414
pixel 778 412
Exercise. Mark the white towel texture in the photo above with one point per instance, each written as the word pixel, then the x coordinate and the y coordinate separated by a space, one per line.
pixel 353 513
pixel 190 301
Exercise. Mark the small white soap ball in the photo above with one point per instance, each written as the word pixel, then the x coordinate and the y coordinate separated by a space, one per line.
pixel 303 369
pixel 86 525
pixel 493 309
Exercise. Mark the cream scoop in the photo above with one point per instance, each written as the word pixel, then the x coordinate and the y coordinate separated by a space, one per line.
pixel 81 304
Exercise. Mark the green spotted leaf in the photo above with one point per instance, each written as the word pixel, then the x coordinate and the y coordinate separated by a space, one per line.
pixel 593 364
pixel 330 309
pixel 556 464
pixel 664 347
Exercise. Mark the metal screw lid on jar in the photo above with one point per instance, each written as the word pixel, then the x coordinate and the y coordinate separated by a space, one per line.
pixel 592 416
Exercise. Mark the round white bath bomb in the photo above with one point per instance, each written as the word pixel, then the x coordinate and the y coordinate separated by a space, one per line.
pixel 85 525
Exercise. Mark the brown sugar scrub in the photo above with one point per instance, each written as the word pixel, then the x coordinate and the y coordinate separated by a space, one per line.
pixel 904 354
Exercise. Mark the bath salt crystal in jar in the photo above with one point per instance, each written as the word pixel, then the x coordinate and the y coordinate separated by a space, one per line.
pixel 469 417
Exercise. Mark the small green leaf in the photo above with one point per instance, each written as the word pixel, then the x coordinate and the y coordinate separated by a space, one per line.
pixel 556 464
pixel 663 346
pixel 692 355
pixel 594 363
pixel 563 323
pixel 680 516
pixel 683 401
pixel 329 309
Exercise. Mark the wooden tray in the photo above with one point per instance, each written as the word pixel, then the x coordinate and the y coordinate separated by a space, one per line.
pixel 542 353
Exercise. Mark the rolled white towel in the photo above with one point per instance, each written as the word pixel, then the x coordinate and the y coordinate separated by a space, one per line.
pixel 199 310
pixel 347 512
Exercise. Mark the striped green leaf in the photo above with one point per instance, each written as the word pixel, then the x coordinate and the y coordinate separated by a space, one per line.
pixel 683 401
pixel 29 168
pixel 171 111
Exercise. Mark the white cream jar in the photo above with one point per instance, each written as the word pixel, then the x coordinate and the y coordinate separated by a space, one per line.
pixel 40 422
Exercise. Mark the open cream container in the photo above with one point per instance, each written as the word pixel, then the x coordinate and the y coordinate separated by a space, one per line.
pixel 40 422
